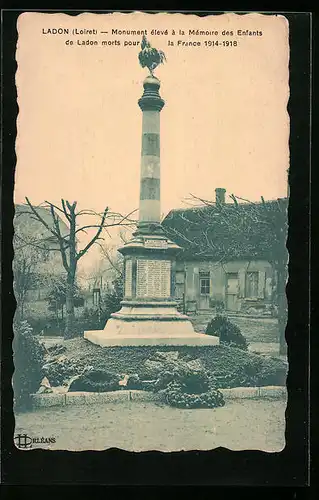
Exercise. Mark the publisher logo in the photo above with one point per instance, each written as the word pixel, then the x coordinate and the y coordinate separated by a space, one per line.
pixel 23 441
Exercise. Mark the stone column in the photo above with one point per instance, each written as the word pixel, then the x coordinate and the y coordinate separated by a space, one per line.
pixel 151 105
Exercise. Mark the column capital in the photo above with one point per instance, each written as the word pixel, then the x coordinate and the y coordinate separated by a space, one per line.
pixel 151 100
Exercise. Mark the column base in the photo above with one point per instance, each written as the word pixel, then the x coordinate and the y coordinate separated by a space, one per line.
pixel 111 338
pixel 149 323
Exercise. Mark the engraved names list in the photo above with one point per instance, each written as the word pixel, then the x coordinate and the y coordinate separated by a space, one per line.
pixel 153 278
pixel 128 278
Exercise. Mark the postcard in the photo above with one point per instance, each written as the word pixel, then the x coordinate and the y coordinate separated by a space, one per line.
pixel 150 265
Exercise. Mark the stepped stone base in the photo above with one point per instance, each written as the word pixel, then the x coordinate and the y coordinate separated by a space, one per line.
pixel 104 339
pixel 146 332
pixel 147 324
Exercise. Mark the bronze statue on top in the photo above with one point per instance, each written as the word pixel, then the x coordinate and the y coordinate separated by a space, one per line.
pixel 149 56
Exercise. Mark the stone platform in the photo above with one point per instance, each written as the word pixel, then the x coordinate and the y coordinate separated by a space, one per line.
pixel 160 338
pixel 149 323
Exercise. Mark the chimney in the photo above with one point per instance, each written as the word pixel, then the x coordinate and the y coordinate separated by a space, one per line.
pixel 220 195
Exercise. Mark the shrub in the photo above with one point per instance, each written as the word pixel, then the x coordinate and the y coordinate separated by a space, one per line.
pixel 227 332
pixel 95 318
pixel 96 381
pixel 47 325
pixel 112 300
pixel 218 305
pixel 28 360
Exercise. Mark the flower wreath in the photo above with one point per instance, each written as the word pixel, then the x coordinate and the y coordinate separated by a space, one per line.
pixel 176 396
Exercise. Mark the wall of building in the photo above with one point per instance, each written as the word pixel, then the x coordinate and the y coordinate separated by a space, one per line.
pixel 238 286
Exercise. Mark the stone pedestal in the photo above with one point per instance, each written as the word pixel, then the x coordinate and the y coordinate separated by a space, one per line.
pixel 149 315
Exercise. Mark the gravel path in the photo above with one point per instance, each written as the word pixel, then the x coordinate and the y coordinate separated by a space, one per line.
pixel 239 425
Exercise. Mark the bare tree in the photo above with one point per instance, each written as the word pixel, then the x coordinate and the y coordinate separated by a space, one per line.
pixel 237 230
pixel 66 241
pixel 113 259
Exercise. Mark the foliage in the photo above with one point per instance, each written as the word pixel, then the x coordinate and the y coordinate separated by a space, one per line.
pixel 235 370
pixel 134 382
pixel 195 381
pixel 219 361
pixel 28 360
pixel 112 299
pixel 184 383
pixel 227 332
pixel 59 369
pixel 57 295
pixel 92 318
pixel 96 380
pixel 218 305
pixel 56 349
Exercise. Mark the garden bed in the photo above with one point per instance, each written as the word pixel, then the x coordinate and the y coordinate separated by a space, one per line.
pixel 231 367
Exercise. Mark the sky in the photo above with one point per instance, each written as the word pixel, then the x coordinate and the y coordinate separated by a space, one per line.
pixel 224 124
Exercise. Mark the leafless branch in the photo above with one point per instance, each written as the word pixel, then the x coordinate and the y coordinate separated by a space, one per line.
pixel 86 248
pixel 40 219
pixel 60 239
pixel 110 260
pixel 67 215
pixel 34 244
pixel 49 204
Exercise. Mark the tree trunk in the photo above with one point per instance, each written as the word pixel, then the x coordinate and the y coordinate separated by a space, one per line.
pixel 69 305
pixel 69 309
pixel 282 306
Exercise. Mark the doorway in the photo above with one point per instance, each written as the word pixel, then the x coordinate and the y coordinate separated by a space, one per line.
pixel 232 285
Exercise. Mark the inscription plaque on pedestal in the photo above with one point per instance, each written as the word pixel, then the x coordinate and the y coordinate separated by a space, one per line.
pixel 153 278
pixel 128 278
pixel 155 243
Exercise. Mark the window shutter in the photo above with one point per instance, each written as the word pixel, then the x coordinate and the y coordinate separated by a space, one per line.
pixel 261 284
pixel 241 283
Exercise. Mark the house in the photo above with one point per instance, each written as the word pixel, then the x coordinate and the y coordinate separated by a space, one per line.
pixel 37 252
pixel 230 254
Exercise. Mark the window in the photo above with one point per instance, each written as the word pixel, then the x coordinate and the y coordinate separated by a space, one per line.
pixel 204 286
pixel 252 285
pixel 204 282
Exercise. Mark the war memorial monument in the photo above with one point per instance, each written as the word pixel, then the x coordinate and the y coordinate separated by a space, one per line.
pixel 149 314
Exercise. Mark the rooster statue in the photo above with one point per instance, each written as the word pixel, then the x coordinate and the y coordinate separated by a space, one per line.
pixel 149 56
